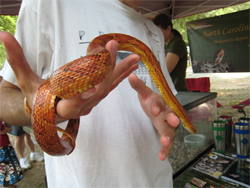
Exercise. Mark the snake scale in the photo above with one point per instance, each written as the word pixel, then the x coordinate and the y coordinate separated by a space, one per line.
pixel 81 74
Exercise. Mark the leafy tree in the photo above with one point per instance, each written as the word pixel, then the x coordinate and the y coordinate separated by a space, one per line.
pixel 7 23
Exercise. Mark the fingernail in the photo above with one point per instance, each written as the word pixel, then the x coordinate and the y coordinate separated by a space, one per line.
pixel 168 138
pixel 87 94
pixel 157 109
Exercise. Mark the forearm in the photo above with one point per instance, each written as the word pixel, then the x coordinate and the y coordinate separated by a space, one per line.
pixel 171 60
pixel 12 107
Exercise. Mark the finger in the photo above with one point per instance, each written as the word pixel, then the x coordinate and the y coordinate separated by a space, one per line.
pixel 116 75
pixel 119 71
pixel 143 91
pixel 156 101
pixel 27 80
pixel 152 103
pixel 76 105
pixel 137 85
pixel 124 68
pixel 158 105
pixel 104 87
pixel 164 151
pixel 82 103
pixel 112 47
pixel 123 76
pixel 167 133
pixel 167 141
pixel 163 154
pixel 14 54
pixel 172 119
pixel 165 129
pixel 167 116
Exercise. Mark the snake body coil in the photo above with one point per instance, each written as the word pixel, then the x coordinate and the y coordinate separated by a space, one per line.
pixel 82 74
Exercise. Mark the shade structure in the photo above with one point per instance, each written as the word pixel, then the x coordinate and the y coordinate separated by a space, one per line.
pixel 150 8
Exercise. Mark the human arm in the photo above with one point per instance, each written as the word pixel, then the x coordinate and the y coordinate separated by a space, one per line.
pixel 12 105
pixel 171 61
pixel 175 52
pixel 12 97
pixel 164 119
pixel 6 130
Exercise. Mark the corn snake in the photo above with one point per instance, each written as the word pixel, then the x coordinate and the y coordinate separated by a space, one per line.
pixel 81 74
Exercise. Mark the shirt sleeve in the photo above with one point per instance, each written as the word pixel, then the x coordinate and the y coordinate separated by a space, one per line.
pixel 178 47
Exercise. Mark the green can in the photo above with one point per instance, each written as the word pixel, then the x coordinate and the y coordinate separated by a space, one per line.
pixel 219 128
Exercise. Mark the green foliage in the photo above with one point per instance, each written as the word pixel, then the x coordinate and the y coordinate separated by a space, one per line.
pixel 180 24
pixel 7 23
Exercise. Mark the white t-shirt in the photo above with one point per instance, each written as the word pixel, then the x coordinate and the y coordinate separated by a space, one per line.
pixel 117 144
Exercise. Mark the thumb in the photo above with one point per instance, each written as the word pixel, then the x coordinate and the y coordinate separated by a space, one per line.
pixel 26 78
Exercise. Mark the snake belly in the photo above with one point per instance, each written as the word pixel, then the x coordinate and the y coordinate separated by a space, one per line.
pixel 82 74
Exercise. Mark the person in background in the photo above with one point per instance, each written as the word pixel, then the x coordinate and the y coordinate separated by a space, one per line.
pixel 10 170
pixel 176 51
pixel 123 141
pixel 22 138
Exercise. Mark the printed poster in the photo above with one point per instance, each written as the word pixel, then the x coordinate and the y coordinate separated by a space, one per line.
pixel 220 44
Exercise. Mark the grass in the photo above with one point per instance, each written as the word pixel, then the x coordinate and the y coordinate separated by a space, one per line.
pixel 232 91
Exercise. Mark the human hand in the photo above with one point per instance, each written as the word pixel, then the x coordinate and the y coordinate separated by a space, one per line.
pixel 7 129
pixel 80 104
pixel 83 103
pixel 164 119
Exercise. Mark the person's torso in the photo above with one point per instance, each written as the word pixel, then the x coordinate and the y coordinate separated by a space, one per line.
pixel 117 144
pixel 178 74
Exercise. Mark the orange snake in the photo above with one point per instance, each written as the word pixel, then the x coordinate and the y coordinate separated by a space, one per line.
pixel 82 74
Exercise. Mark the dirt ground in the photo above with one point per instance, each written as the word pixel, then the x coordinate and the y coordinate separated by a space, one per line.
pixel 231 89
